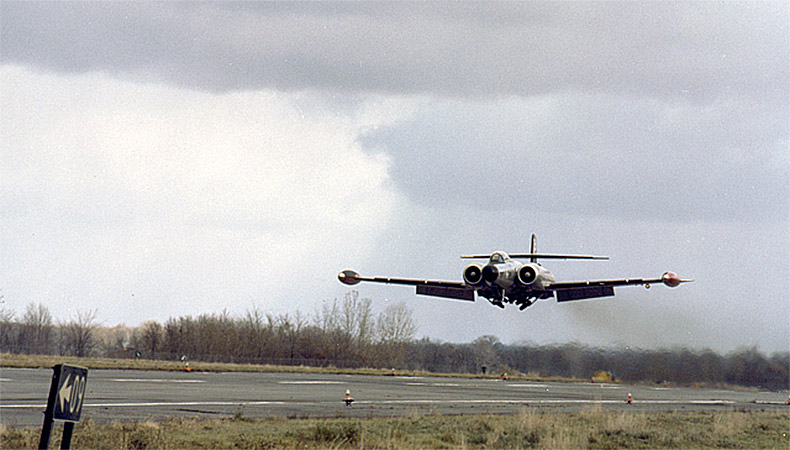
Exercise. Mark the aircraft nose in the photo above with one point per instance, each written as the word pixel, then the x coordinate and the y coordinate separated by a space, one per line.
pixel 490 273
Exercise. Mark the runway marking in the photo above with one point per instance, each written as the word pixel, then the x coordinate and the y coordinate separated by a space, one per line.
pixel 416 383
pixel 153 404
pixel 548 401
pixel 529 385
pixel 711 402
pixel 313 382
pixel 153 380
pixel 446 384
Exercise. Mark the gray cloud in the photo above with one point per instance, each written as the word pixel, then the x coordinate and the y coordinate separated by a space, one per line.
pixel 594 154
pixel 697 49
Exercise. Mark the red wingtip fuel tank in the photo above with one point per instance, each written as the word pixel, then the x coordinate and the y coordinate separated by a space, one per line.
pixel 348 277
pixel 672 279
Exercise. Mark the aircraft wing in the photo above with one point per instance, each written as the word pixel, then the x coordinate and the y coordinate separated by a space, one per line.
pixel 579 290
pixel 436 288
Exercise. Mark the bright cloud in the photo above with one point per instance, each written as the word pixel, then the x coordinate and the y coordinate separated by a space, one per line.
pixel 180 198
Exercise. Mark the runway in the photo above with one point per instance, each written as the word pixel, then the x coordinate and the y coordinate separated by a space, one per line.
pixel 119 395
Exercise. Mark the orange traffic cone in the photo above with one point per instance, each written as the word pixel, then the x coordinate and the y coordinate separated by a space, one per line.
pixel 186 368
pixel 629 399
pixel 504 377
pixel 347 398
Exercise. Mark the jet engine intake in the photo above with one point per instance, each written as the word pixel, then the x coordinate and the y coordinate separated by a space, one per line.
pixel 490 273
pixel 527 274
pixel 473 275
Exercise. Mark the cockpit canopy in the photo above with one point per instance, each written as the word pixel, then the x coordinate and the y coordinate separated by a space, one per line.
pixel 498 258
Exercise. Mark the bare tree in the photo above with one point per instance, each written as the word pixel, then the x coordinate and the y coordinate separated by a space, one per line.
pixel 484 349
pixel 365 324
pixel 77 335
pixel 291 330
pixel 327 319
pixel 256 333
pixel 356 323
pixel 181 336
pixel 395 328
pixel 395 324
pixel 348 318
pixel 37 329
pixel 152 337
pixel 9 331
pixel 116 342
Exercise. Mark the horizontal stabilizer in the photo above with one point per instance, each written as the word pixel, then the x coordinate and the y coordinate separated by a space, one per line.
pixel 447 292
pixel 538 255
pixel 553 256
pixel 581 293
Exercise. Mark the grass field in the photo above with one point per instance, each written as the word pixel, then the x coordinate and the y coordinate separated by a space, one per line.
pixel 46 362
pixel 592 428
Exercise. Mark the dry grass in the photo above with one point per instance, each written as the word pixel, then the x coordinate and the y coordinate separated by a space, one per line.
pixel 593 428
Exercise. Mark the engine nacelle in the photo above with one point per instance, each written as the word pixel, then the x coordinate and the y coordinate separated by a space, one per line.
pixel 528 274
pixel 473 275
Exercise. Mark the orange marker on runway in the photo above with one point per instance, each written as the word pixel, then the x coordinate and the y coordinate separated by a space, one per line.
pixel 629 399
pixel 347 398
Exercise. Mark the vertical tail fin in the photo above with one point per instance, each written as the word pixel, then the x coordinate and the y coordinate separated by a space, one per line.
pixel 534 248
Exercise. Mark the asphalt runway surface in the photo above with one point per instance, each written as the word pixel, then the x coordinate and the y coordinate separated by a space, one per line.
pixel 125 395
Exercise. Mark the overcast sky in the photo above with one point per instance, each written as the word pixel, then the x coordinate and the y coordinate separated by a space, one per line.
pixel 169 159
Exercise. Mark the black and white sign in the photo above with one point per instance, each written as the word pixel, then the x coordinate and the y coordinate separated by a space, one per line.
pixel 70 393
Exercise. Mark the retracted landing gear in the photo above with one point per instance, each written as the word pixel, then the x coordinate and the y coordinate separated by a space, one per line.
pixel 498 298
pixel 500 302
pixel 524 303
pixel 497 302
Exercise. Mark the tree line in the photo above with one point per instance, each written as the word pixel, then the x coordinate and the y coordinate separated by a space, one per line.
pixel 346 333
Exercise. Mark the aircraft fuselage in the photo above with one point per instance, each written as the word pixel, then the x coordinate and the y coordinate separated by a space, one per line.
pixel 504 280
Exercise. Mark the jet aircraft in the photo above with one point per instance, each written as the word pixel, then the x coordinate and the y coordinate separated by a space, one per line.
pixel 505 280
